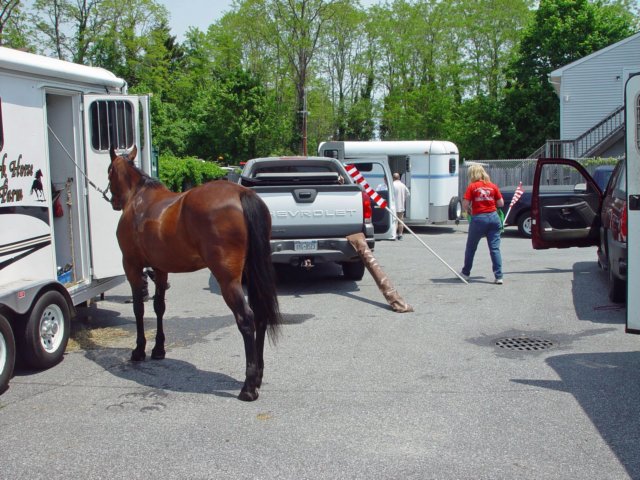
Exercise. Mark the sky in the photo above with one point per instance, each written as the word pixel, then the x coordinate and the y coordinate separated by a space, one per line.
pixel 202 13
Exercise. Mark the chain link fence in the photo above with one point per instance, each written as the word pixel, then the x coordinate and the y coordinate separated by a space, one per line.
pixel 510 172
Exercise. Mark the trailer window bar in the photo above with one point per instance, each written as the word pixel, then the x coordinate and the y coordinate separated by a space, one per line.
pixel 112 123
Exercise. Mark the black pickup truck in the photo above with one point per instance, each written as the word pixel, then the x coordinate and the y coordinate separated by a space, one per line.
pixel 520 214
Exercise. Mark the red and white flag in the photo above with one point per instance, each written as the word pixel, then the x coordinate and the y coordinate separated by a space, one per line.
pixel 358 178
pixel 516 195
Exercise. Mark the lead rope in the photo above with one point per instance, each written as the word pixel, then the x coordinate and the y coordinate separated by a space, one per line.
pixel 67 187
pixel 103 192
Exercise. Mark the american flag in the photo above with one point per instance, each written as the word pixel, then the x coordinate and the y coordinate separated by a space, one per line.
pixel 516 195
pixel 357 176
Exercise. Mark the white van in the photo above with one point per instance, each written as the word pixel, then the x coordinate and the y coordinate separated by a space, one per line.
pixel 58 244
pixel 429 168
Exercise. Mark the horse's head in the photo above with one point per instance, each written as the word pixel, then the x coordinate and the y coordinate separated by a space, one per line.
pixel 123 177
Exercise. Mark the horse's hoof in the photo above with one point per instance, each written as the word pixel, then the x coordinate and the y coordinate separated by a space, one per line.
pixel 137 356
pixel 247 396
pixel 157 354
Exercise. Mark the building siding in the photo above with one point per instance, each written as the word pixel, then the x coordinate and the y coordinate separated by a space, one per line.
pixel 594 88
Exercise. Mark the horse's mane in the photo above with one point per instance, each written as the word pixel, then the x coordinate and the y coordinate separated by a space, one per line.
pixel 146 180
pixel 150 182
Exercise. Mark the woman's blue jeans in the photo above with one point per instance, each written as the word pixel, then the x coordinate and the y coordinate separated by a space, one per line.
pixel 484 225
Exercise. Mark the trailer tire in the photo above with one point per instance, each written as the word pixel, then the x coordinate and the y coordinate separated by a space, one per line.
pixel 353 270
pixel 7 353
pixel 46 332
pixel 455 208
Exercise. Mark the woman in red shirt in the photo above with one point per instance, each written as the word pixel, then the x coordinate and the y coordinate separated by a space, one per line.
pixel 481 200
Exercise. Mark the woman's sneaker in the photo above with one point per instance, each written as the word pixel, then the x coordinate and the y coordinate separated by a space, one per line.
pixel 499 281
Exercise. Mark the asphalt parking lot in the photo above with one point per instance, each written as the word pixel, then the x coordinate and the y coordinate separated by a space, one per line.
pixel 352 389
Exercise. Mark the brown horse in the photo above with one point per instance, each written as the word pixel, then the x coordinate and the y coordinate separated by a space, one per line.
pixel 219 225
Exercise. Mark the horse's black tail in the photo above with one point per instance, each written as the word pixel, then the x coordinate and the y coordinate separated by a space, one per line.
pixel 259 272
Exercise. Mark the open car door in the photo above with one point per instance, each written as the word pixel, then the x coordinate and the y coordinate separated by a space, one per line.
pixel 565 205
pixel 379 178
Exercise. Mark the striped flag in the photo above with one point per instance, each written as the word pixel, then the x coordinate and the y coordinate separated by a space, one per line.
pixel 516 195
pixel 358 178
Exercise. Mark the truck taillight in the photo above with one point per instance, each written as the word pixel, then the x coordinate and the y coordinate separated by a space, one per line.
pixel 623 222
pixel 366 208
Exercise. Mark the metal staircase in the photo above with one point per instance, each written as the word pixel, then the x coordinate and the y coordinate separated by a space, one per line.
pixel 590 144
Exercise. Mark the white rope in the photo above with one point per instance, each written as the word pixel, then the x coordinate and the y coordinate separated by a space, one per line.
pixel 427 246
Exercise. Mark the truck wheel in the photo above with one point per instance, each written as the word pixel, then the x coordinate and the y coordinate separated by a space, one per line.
pixel 617 288
pixel 455 209
pixel 47 331
pixel 7 353
pixel 524 224
pixel 353 270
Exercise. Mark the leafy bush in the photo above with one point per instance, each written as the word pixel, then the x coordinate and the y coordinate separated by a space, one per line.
pixel 180 174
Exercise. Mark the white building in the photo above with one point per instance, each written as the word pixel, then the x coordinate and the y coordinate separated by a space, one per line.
pixel 591 94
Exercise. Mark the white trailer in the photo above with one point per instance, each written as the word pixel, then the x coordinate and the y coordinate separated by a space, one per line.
pixel 58 246
pixel 429 168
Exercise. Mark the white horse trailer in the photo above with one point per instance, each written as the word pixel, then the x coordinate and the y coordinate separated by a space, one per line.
pixel 429 168
pixel 58 246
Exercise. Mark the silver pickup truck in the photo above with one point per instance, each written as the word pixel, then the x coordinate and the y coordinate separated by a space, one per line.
pixel 314 205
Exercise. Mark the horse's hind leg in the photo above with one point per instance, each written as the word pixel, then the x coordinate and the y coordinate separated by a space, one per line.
pixel 261 331
pixel 234 297
pixel 160 279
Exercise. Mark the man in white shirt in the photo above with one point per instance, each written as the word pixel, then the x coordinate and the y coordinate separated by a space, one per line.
pixel 401 192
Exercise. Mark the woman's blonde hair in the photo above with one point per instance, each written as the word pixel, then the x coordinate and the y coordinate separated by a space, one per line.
pixel 477 172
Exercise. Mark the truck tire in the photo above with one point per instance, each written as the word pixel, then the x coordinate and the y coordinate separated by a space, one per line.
pixel 524 223
pixel 353 270
pixel 46 332
pixel 7 353
pixel 455 209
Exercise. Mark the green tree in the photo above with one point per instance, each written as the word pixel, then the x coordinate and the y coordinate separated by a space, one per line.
pixel 231 119
pixel 562 31
pixel 420 53
pixel 344 64
pixel 14 28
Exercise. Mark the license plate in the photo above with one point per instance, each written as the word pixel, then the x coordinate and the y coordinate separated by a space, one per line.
pixel 305 245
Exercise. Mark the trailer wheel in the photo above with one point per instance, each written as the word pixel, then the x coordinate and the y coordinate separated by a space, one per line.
pixel 7 353
pixel 47 331
pixel 353 270
pixel 455 209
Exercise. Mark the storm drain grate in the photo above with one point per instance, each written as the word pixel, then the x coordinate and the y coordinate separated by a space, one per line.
pixel 524 343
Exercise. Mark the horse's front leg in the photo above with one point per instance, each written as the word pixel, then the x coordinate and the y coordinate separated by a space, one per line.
pixel 160 279
pixel 138 354
pixel 137 281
